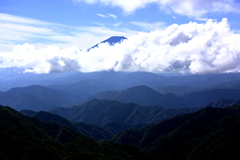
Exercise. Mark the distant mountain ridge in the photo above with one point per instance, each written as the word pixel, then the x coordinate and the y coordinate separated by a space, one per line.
pixel 35 98
pixel 146 96
pixel 83 88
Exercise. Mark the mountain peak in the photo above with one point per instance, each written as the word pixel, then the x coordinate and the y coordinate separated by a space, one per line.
pixel 112 40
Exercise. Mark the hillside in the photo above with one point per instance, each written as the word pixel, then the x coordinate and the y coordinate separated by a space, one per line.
pixel 102 112
pixel 93 131
pixel 29 138
pixel 210 133
pixel 222 103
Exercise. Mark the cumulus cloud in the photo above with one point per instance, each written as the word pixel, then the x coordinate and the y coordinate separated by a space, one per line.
pixel 195 8
pixel 209 47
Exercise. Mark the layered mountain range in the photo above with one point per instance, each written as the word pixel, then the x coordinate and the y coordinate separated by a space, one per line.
pixel 119 115
pixel 38 98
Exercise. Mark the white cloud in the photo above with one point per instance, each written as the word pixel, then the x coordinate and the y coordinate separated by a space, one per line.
pixel 101 15
pixel 205 19
pixel 193 8
pixel 196 48
pixel 17 19
pixel 112 15
pixel 105 16
pixel 149 26
pixel 226 6
pixel 117 24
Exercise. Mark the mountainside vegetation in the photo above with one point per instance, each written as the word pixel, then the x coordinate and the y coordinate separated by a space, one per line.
pixel 210 133
pixel 222 103
pixel 25 137
pixel 205 134
pixel 102 112
pixel 93 131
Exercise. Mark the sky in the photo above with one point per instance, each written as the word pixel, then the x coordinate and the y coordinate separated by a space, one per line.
pixel 186 36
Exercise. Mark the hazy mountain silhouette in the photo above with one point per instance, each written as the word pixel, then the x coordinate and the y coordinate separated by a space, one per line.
pixel 141 95
pixel 146 96
pixel 35 98
pixel 229 85
pixel 83 89
pixel 202 98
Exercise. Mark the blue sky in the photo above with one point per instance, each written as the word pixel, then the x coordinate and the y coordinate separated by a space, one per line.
pixel 77 16
pixel 39 24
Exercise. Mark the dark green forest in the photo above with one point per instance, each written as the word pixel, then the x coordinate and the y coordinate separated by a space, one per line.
pixel 207 133
pixel 25 137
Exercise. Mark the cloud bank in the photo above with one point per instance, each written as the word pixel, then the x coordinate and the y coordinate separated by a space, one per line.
pixel 209 47
pixel 193 8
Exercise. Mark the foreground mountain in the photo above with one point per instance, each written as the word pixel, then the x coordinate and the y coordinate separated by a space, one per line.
pixel 222 103
pixel 25 137
pixel 102 112
pixel 210 133
pixel 146 96
pixel 93 131
pixel 35 98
